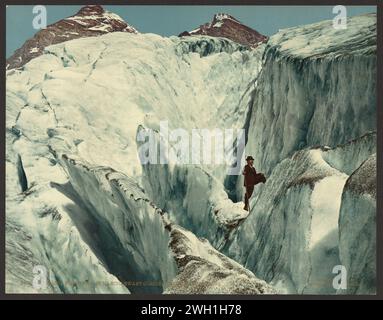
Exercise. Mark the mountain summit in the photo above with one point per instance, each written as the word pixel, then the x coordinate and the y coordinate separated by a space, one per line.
pixel 89 21
pixel 226 26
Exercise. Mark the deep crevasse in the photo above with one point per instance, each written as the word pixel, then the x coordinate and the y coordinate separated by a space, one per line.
pixel 146 247
pixel 291 235
pixel 61 103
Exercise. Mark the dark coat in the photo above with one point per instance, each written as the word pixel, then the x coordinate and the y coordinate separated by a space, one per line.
pixel 252 177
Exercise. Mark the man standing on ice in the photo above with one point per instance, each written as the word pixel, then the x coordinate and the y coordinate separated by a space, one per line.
pixel 251 179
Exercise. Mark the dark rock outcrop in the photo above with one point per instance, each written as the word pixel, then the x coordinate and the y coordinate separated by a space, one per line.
pixel 90 21
pixel 226 26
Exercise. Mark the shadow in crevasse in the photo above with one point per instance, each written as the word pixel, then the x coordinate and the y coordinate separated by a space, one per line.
pixel 98 234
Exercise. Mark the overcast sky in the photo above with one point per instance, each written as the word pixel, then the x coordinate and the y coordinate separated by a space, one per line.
pixel 172 20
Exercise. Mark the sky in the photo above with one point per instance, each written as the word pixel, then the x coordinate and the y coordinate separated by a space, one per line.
pixel 172 20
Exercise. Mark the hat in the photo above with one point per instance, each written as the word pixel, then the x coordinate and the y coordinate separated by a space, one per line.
pixel 249 158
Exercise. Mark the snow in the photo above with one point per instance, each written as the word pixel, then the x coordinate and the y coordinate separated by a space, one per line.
pixel 102 27
pixel 349 156
pixel 357 230
pixel 323 39
pixel 326 213
pixel 51 239
pixel 223 16
pixel 218 24
pixel 33 50
pixel 131 230
pixel 104 17
pixel 175 187
pixel 76 76
pixel 204 270
pixel 112 16
pixel 120 204
pixel 219 18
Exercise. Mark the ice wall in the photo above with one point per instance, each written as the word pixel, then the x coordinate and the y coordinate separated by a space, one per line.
pixel 193 196
pixel 290 235
pixel 357 229
pixel 317 87
pixel 133 229
pixel 151 248
pixel 48 251
pixel 206 45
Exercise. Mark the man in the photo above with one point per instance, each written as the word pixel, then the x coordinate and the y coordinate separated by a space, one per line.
pixel 251 179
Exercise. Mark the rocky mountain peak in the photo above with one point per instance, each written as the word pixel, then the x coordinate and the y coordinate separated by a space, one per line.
pixel 89 10
pixel 89 21
pixel 226 26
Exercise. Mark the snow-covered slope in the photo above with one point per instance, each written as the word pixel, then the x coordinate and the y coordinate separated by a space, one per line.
pixel 45 229
pixel 204 270
pixel 295 219
pixel 132 230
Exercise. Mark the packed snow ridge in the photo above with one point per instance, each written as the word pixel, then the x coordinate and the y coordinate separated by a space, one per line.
pixel 80 203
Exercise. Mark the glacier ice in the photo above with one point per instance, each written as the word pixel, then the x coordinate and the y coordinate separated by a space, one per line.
pixel 152 250
pixel 282 237
pixel 73 113
pixel 305 84
pixel 308 96
pixel 63 103
pixel 193 196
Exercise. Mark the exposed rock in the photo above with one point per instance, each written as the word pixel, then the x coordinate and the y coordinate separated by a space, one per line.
pixel 226 26
pixel 90 21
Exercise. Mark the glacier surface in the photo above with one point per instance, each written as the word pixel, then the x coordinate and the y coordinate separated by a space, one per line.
pixel 80 203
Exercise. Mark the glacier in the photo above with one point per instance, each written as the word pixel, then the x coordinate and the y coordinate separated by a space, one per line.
pixel 290 238
pixel 60 103
pixel 151 250
pixel 314 75
pixel 81 203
